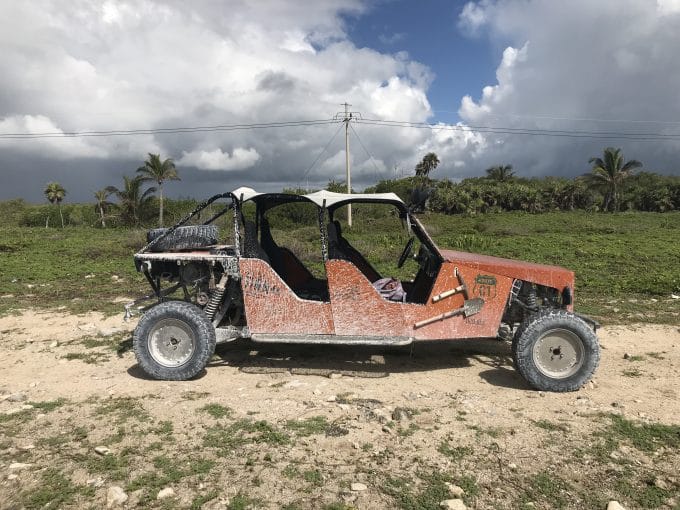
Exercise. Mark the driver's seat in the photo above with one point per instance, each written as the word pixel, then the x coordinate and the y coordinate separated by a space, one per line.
pixel 339 248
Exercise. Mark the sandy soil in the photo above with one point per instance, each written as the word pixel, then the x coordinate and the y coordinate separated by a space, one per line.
pixel 388 414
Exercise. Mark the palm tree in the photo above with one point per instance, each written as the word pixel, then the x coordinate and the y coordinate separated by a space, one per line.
pixel 500 173
pixel 55 193
pixel 131 198
pixel 610 173
pixel 429 162
pixel 102 204
pixel 158 171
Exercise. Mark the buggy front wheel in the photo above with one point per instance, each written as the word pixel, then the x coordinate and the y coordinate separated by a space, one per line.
pixel 556 351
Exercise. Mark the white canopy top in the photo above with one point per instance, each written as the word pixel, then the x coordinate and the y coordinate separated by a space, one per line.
pixel 331 198
pixel 248 193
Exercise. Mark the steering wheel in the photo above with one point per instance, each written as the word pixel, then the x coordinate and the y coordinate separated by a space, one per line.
pixel 407 251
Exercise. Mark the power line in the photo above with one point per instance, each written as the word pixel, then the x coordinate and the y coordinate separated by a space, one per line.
pixel 356 117
pixel 577 119
pixel 526 131
pixel 320 154
pixel 370 156
pixel 155 131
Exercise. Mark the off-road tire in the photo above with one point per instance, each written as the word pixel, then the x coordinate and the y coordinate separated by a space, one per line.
pixel 183 238
pixel 555 326
pixel 194 327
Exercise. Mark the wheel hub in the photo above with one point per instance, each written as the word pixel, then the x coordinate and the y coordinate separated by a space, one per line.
pixel 171 342
pixel 558 353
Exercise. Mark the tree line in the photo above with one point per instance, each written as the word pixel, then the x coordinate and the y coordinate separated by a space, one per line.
pixel 612 184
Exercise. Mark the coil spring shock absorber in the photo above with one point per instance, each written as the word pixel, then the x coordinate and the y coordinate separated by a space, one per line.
pixel 216 297
pixel 532 301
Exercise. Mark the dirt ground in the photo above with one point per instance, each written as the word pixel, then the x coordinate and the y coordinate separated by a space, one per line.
pixel 295 427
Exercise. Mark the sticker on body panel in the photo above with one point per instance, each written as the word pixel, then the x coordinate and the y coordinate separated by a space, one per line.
pixel 485 286
pixel 260 286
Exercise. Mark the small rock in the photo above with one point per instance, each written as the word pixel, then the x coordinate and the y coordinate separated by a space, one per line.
pixel 115 277
pixel 358 487
pixel 26 407
pixel 335 375
pixel 332 398
pixel 15 410
pixel 115 496
pixel 455 490
pixel 12 476
pixel 102 450
pixel 626 355
pixel 453 504
pixel 89 276
pixel 541 393
pixel 400 414
pixel 27 447
pixel 17 397
pixel 512 466
pixel 615 505
pixel 168 492
pixel 262 384
pixel 19 466
pixel 95 482
pixel 382 415
pixel 387 430
pixel 660 483
pixel 675 296
pixel 53 345
pixel 316 391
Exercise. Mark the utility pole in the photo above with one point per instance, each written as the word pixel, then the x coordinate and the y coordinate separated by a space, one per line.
pixel 348 174
pixel 347 117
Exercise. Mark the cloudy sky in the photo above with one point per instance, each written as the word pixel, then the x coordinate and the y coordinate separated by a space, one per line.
pixel 569 70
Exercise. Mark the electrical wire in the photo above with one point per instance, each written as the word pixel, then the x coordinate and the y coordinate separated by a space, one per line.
pixel 525 131
pixel 156 131
pixel 370 156
pixel 623 135
pixel 575 119
pixel 304 175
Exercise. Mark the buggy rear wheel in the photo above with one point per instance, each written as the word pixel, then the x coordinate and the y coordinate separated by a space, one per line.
pixel 174 341
pixel 556 351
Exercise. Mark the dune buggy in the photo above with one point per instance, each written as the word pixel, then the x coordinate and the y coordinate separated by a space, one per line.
pixel 267 288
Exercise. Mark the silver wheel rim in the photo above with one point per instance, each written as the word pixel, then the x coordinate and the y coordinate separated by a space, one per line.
pixel 558 353
pixel 171 342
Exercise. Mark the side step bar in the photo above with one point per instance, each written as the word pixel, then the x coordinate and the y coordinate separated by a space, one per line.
pixel 331 339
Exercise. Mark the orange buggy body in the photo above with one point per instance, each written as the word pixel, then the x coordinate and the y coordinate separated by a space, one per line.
pixel 261 291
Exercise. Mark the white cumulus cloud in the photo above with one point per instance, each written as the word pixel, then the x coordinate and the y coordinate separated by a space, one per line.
pixel 239 159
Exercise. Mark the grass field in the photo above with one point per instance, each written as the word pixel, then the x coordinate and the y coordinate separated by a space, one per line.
pixel 627 265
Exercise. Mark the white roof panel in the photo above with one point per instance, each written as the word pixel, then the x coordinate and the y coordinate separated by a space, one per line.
pixel 333 198
pixel 248 193
pixel 330 197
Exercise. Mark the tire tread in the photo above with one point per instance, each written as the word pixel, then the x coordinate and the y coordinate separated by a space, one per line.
pixel 183 238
